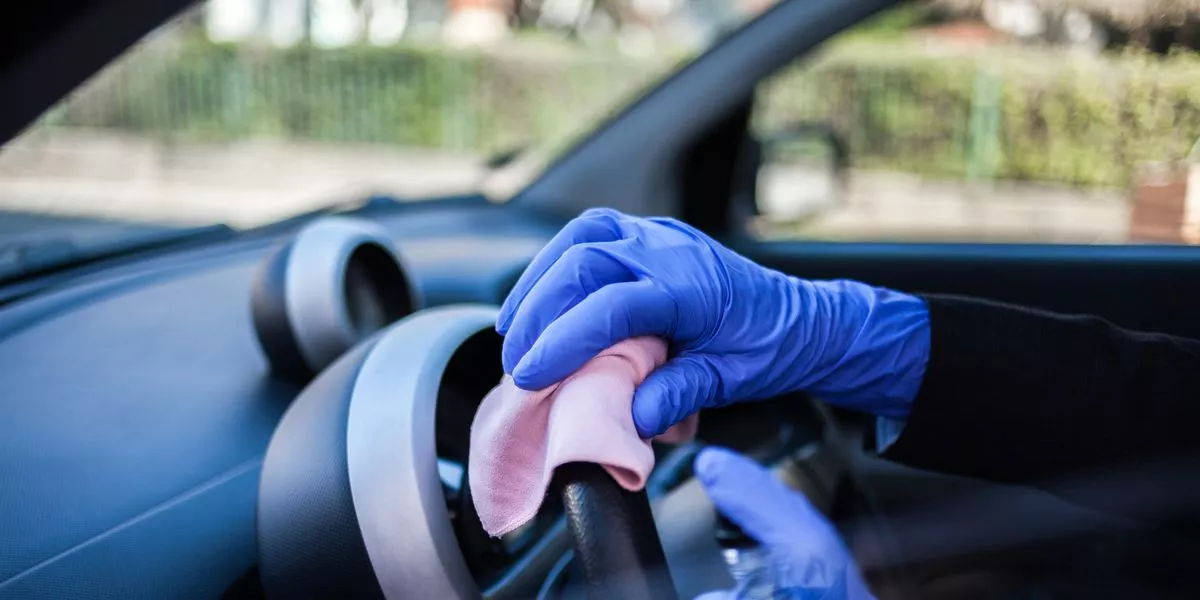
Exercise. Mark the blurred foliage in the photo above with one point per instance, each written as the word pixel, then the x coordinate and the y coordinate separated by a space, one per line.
pixel 891 24
pixel 1061 118
pixel 413 96
pixel 1077 120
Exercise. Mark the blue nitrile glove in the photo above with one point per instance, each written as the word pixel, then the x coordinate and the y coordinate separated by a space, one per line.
pixel 738 331
pixel 809 558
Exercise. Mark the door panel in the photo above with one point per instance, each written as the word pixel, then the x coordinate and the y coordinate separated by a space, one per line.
pixel 995 539
pixel 1150 288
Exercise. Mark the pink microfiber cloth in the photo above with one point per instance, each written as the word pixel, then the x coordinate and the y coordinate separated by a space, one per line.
pixel 519 437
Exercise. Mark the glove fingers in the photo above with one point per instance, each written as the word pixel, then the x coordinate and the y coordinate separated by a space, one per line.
pixel 818 564
pixel 755 500
pixel 582 269
pixel 611 314
pixel 594 225
pixel 672 392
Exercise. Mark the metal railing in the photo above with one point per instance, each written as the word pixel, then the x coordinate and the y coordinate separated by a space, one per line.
pixel 970 117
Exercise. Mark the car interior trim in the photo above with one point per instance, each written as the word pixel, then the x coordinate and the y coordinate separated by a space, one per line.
pixel 303 312
pixel 391 452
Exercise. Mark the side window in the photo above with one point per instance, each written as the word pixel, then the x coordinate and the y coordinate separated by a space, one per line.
pixel 1005 123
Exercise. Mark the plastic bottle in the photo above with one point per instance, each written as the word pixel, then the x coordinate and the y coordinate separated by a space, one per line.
pixel 748 562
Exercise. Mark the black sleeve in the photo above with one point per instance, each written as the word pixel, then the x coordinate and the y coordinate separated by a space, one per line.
pixel 1019 395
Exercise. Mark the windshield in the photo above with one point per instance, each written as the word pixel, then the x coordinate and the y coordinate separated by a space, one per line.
pixel 934 121
pixel 246 112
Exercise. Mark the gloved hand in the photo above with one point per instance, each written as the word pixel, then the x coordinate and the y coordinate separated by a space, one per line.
pixel 738 331
pixel 810 559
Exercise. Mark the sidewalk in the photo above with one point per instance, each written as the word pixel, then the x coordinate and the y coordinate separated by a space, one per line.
pixel 244 184
pixel 100 174
pixel 898 206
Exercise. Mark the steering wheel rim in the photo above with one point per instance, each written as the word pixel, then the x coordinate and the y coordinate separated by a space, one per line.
pixel 614 536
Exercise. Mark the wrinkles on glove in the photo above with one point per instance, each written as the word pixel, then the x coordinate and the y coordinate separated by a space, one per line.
pixel 867 348
pixel 519 437
pixel 738 331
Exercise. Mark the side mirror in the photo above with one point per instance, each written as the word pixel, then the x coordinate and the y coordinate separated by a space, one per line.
pixel 802 173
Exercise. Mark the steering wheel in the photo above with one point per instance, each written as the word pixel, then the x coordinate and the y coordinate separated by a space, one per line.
pixel 351 502
pixel 613 532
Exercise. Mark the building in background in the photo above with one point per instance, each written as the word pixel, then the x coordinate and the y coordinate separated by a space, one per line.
pixel 638 27
pixel 1093 25
pixel 324 23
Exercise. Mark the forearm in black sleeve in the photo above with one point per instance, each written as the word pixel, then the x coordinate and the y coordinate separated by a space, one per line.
pixel 1019 395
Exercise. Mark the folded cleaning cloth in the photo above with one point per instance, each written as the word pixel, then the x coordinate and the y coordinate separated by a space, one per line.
pixel 519 437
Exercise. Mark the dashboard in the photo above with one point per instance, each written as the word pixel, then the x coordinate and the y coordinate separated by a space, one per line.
pixel 152 445
pixel 139 410
pixel 138 404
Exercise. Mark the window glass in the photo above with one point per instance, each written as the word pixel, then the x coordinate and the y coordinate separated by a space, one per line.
pixel 248 111
pixel 997 121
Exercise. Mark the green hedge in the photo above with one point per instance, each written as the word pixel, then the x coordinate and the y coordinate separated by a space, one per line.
pixel 1013 115
pixel 1017 115
pixel 191 89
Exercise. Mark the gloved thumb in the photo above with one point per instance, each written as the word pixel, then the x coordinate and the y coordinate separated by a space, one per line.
pixel 819 564
pixel 672 392
pixel 756 500
pixel 718 595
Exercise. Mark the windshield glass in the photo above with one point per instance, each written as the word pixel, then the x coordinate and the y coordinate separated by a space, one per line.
pixel 245 112
pixel 933 121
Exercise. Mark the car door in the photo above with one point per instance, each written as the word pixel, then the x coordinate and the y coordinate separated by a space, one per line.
pixel 832 190
pixel 949 209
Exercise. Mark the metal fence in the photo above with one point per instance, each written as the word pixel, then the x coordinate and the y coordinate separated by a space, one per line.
pixel 191 89
pixel 1021 115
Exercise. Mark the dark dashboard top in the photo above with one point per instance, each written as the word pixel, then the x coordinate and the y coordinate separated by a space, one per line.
pixel 137 404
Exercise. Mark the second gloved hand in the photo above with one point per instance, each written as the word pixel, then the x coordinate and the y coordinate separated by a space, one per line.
pixel 738 331
pixel 809 560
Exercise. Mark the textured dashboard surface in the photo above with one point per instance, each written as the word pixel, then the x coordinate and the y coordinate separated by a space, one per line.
pixel 136 406
pixel 125 416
